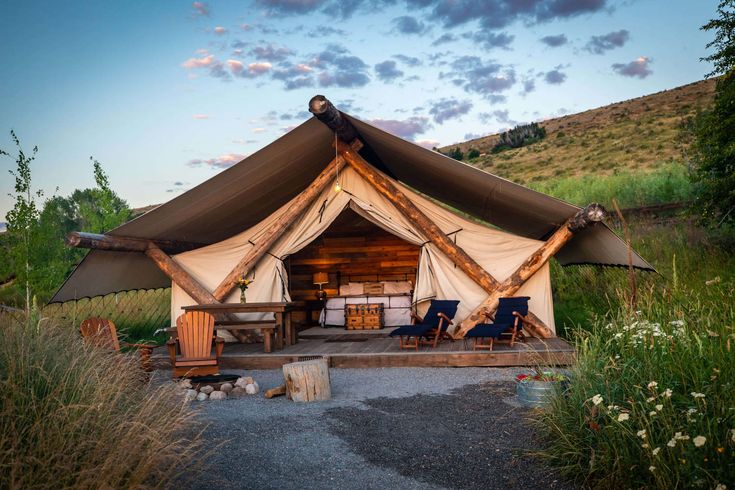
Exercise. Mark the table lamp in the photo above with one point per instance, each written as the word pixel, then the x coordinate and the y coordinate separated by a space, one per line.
pixel 321 278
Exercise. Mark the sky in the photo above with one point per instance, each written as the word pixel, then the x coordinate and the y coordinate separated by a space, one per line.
pixel 167 94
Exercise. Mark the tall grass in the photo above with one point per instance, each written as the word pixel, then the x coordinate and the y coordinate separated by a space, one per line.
pixel 651 402
pixel 667 184
pixel 73 416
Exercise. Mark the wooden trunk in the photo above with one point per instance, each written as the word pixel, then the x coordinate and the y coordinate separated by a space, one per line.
pixel 307 381
pixel 364 317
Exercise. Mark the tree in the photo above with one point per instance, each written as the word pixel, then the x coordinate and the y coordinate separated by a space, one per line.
pixel 473 153
pixel 714 147
pixel 23 219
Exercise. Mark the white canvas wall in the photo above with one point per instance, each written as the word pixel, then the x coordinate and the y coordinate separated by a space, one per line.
pixel 498 252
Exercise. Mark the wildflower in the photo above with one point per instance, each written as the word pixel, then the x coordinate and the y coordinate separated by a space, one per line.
pixel 652 385
pixel 699 441
pixel 652 413
pixel 656 451
pixel 732 431
pixel 697 395
pixel 671 443
pixel 651 469
pixel 641 433
pixel 644 445
pixel 680 437
pixel 667 393
pixel 720 450
pixel 720 486
pixel 659 407
pixel 649 400
pixel 617 356
pixel 597 399
pixel 623 417
pixel 691 411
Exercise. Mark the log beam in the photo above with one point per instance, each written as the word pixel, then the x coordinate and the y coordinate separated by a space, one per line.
pixel 278 228
pixel 333 118
pixel 114 243
pixel 184 280
pixel 427 227
pixel 584 218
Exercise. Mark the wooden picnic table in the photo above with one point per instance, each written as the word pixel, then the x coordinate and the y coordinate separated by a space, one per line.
pixel 285 332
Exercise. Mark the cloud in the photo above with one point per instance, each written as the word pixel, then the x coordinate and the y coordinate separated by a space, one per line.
pixel 490 40
pixel 219 30
pixel 638 68
pixel 408 60
pixel 340 68
pixel 201 116
pixel 497 14
pixel 555 76
pixel 200 9
pixel 289 7
pixel 203 62
pixel 428 144
pixel 258 130
pixel 223 161
pixel 486 78
pixel 294 76
pixel 270 52
pixel 555 41
pixel 252 70
pixel 500 115
pixel 407 128
pixel 324 31
pixel 387 71
pixel 446 109
pixel 606 42
pixel 529 85
pixel 444 38
pixel 407 24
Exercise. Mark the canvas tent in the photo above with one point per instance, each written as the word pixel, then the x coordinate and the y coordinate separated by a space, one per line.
pixel 226 212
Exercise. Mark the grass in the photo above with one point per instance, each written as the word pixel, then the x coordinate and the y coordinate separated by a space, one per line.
pixel 73 416
pixel 667 184
pixel 651 402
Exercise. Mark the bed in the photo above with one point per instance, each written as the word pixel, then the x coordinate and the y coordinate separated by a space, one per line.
pixel 395 296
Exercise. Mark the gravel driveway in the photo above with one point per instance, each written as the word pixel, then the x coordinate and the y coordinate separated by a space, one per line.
pixel 406 428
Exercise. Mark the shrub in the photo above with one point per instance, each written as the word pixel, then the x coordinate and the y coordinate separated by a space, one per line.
pixel 519 136
pixel 473 153
pixel 72 416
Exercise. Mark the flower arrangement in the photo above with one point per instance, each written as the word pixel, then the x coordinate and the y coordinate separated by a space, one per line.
pixel 547 376
pixel 243 284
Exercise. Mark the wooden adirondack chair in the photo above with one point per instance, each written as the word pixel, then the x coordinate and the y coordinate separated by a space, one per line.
pixel 102 333
pixel 194 336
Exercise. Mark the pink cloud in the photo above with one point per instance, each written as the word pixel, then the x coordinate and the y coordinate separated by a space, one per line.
pixel 203 62
pixel 428 144
pixel 259 68
pixel 220 30
pixel 200 8
pixel 223 161
pixel 201 116
pixel 236 67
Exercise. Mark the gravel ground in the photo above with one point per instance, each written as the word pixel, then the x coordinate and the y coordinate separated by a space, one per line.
pixel 407 428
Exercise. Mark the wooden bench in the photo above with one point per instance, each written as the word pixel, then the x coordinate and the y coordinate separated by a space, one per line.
pixel 267 328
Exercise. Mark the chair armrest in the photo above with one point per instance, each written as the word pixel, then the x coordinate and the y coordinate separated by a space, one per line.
pixel 488 315
pixel 219 345
pixel 171 346
pixel 446 318
pixel 416 319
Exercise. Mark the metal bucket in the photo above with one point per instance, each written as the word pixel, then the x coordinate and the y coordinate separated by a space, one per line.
pixel 535 394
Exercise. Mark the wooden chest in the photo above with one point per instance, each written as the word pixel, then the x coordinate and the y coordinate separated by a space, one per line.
pixel 364 317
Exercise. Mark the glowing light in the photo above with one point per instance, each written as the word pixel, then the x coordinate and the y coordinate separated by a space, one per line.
pixel 337 187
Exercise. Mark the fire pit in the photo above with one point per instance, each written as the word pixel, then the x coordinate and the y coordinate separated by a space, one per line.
pixel 213 380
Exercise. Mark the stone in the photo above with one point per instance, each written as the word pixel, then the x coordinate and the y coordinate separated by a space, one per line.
pixel 206 390
pixel 244 381
pixel 226 387
pixel 190 395
pixel 218 395
pixel 185 384
pixel 237 392
pixel 252 388
pixel 202 396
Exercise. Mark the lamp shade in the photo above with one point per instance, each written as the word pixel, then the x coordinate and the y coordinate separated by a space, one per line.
pixel 321 278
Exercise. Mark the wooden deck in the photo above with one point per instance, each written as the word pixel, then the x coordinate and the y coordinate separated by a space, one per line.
pixel 375 349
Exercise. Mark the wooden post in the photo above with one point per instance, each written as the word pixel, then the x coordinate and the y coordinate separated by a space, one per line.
pixel 184 280
pixel 276 230
pixel 116 243
pixel 307 381
pixel 585 217
pixel 430 230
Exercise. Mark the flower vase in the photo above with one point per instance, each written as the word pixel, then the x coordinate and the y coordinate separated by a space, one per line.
pixel 243 298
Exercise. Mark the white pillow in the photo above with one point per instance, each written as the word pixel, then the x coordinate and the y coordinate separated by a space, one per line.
pixel 396 287
pixel 351 289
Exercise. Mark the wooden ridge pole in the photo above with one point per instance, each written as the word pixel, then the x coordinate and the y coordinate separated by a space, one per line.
pixel 117 243
pixel 278 228
pixel 584 218
pixel 430 230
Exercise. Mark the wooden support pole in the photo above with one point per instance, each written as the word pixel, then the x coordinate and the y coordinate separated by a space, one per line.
pixel 585 217
pixel 278 228
pixel 430 230
pixel 184 280
pixel 116 243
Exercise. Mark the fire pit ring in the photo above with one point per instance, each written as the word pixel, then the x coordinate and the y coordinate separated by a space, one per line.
pixel 213 380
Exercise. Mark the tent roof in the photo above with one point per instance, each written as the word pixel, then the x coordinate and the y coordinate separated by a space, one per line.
pixel 251 190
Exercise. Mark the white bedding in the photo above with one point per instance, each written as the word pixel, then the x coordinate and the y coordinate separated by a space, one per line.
pixel 397 309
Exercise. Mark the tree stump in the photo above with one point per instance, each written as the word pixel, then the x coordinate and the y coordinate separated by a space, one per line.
pixel 307 381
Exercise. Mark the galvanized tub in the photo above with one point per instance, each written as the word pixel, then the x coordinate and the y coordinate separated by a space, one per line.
pixel 536 394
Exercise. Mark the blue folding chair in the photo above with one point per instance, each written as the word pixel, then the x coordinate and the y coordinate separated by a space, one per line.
pixel 508 320
pixel 432 327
